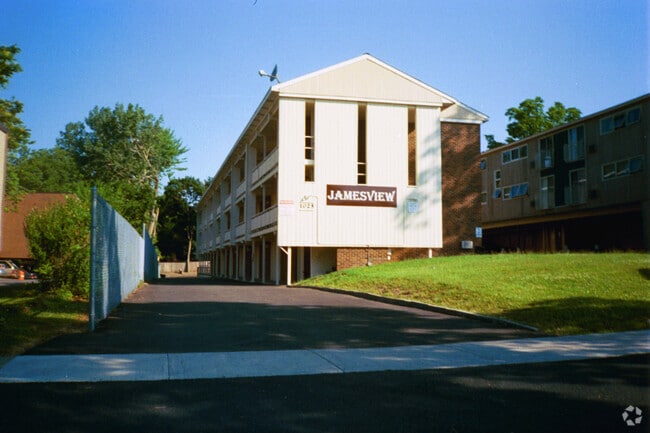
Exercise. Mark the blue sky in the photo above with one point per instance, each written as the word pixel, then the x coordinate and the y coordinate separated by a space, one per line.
pixel 195 62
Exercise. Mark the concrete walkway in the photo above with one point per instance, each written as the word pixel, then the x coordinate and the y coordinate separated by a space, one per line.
pixel 212 365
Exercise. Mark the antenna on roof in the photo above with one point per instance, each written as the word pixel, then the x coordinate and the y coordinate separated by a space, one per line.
pixel 272 76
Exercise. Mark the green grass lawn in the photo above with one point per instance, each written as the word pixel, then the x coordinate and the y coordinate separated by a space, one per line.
pixel 29 317
pixel 560 294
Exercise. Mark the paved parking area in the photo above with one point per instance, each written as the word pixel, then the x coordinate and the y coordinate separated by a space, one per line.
pixel 197 315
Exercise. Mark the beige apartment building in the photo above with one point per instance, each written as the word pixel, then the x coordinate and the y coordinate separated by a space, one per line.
pixel 581 186
pixel 351 165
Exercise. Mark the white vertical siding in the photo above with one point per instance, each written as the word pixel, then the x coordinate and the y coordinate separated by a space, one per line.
pixel 423 217
pixel 417 219
pixel 295 227
pixel 336 142
pixel 386 145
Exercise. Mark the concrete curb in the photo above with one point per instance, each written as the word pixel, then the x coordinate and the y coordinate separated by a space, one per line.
pixel 220 365
pixel 427 307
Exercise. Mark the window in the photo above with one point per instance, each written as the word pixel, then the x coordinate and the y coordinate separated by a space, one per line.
pixel 484 197
pixel 309 172
pixel 412 148
pixel 497 179
pixel 309 142
pixel 633 116
pixel 546 152
pixel 546 192
pixel 483 164
pixel 514 154
pixel 606 125
pixel 574 149
pixel 361 145
pixel 620 120
pixel 578 186
pixel 514 191
pixel 609 170
pixel 623 167
pixel 519 190
pixel 636 164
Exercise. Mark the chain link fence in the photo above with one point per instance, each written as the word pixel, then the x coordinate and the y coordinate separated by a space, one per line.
pixel 120 259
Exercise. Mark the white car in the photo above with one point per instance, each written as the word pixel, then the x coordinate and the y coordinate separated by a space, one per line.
pixel 8 269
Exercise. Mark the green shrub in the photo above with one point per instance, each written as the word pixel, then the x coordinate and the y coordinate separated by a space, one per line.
pixel 59 242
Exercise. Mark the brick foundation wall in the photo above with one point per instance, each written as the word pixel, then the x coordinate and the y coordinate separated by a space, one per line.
pixel 355 257
pixel 461 185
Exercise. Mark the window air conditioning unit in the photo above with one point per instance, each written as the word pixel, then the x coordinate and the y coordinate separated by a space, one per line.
pixel 467 245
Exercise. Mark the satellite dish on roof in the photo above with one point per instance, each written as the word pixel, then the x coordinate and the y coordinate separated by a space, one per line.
pixel 272 76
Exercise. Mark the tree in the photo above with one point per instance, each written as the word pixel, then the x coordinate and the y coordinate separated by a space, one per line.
pixel 59 242
pixel 19 135
pixel 178 218
pixel 130 151
pixel 49 170
pixel 529 118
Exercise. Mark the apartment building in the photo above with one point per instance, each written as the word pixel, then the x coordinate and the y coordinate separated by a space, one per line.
pixel 581 186
pixel 351 165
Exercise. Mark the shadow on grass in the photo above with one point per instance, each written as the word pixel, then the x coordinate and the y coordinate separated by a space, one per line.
pixel 29 317
pixel 645 273
pixel 583 315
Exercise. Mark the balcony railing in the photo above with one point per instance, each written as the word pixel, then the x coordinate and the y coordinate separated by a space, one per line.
pixel 268 218
pixel 269 163
pixel 240 231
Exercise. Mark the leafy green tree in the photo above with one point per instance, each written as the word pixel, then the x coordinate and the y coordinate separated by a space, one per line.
pixel 19 135
pixel 530 118
pixel 178 218
pixel 49 170
pixel 129 150
pixel 59 242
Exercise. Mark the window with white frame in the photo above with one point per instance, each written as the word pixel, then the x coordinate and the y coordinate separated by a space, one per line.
pixel 546 152
pixel 497 179
pixel 547 192
pixel 514 191
pixel 574 149
pixel 514 154
pixel 622 167
pixel 620 120
pixel 578 186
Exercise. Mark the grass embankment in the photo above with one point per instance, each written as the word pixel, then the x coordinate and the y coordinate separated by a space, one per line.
pixel 560 294
pixel 28 317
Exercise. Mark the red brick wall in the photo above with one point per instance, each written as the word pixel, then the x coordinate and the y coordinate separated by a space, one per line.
pixel 461 184
pixel 354 257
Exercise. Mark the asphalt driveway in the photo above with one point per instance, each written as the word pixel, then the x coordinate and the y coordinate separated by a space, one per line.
pixel 200 315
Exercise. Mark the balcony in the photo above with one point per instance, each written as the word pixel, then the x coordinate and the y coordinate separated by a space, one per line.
pixel 240 231
pixel 264 220
pixel 241 190
pixel 269 164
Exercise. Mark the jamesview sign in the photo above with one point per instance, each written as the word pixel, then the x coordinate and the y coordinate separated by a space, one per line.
pixel 359 195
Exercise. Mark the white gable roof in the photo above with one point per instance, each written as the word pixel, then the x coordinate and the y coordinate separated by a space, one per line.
pixel 363 78
pixel 366 78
